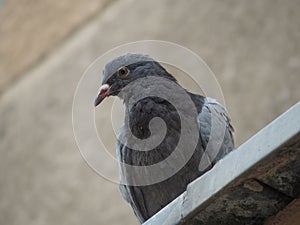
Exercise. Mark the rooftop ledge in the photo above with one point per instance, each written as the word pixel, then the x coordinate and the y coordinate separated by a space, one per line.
pixel 257 183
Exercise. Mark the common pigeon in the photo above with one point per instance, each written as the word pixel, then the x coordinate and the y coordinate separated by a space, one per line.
pixel 157 107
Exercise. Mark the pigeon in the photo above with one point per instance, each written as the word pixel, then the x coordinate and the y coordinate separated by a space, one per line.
pixel 157 108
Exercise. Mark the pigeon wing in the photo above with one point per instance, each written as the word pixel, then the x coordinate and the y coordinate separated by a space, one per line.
pixel 216 132
pixel 131 194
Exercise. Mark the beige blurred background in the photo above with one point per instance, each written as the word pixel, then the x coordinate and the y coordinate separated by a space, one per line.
pixel 252 46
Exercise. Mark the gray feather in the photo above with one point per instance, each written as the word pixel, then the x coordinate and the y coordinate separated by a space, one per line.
pixel 124 60
pixel 220 142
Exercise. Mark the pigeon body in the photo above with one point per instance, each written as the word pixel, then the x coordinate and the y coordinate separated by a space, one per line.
pixel 120 78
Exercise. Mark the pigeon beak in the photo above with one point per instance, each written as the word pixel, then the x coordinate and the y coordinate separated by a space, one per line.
pixel 103 92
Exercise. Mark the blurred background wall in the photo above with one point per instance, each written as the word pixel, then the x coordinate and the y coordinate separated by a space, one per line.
pixel 252 46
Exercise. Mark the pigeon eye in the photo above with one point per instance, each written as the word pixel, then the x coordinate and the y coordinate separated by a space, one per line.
pixel 123 72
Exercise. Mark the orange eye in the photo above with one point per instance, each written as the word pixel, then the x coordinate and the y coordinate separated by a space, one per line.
pixel 123 72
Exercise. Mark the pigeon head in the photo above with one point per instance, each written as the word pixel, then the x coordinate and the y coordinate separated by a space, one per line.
pixel 123 70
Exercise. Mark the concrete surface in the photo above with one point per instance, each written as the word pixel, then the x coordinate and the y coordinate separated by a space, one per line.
pixel 30 29
pixel 288 216
pixel 252 46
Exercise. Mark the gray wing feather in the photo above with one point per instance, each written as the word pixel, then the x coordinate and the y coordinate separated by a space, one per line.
pixel 130 193
pixel 216 132
pixel 123 190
